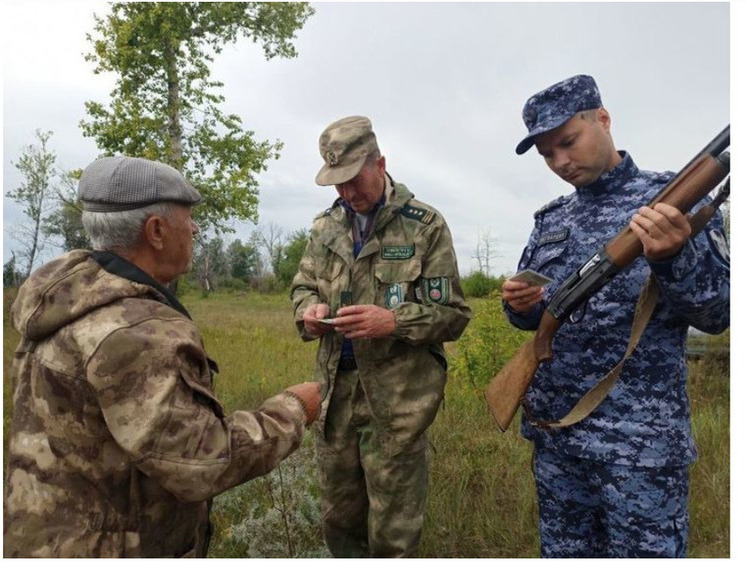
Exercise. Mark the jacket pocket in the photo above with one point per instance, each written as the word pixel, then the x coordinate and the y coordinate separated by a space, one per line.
pixel 396 282
pixel 544 255
pixel 329 280
pixel 201 394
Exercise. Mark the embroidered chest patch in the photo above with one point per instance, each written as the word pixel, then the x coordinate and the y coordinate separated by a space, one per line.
pixel 393 295
pixel 397 252
pixel 554 236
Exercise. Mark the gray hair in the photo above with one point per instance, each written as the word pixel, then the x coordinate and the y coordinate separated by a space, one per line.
pixel 121 230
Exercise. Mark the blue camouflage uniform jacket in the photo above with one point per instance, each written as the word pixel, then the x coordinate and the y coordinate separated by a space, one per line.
pixel 645 420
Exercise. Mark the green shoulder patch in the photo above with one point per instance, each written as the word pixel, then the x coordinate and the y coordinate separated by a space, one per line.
pixel 423 215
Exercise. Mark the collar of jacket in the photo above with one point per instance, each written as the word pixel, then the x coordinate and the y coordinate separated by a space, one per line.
pixel 397 199
pixel 611 181
pixel 341 244
pixel 117 265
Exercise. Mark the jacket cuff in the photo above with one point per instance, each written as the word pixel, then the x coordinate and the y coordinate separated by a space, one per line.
pixel 290 403
pixel 678 266
pixel 526 320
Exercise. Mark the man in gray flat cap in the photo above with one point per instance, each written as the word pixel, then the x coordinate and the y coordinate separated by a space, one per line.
pixel 117 441
pixel 616 483
pixel 378 286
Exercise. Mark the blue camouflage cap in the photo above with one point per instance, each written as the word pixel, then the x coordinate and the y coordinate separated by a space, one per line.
pixel 555 105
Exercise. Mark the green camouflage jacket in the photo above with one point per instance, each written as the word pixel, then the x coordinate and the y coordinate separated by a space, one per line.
pixel 408 265
pixel 117 440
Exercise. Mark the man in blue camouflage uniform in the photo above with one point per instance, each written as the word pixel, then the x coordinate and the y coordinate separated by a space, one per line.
pixel 615 484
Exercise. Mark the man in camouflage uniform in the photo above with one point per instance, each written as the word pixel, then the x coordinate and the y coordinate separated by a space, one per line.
pixel 380 265
pixel 615 484
pixel 117 441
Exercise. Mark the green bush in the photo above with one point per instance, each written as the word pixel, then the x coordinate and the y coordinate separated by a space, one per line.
pixel 479 285
pixel 487 344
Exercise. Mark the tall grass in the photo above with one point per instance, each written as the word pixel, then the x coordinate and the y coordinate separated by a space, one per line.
pixel 481 494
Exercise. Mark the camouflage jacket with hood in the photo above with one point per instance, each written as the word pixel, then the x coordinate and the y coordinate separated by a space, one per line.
pixel 408 265
pixel 117 440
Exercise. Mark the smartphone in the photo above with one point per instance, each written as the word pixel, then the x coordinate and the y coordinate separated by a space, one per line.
pixel 532 277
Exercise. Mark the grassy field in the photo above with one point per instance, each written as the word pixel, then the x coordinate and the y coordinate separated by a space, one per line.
pixel 481 496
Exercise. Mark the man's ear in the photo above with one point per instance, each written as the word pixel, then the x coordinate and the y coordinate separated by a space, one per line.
pixel 603 116
pixel 154 231
pixel 380 167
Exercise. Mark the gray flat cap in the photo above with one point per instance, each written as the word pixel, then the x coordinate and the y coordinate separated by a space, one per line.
pixel 121 183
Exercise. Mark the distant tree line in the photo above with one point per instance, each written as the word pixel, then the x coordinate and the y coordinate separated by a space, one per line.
pixel 47 196
pixel 266 262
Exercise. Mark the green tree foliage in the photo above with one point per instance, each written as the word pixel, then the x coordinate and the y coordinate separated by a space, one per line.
pixel 244 261
pixel 290 256
pixel 65 223
pixel 165 105
pixel 10 273
pixel 37 166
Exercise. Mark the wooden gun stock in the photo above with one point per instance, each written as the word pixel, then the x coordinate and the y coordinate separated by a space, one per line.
pixel 697 179
pixel 506 390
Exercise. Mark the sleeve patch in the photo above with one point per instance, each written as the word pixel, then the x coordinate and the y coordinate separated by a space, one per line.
pixel 436 290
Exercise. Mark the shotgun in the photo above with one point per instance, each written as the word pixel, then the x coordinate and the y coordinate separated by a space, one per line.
pixel 697 179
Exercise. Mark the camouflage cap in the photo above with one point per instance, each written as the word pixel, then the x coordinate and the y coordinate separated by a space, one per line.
pixel 555 105
pixel 344 145
pixel 121 183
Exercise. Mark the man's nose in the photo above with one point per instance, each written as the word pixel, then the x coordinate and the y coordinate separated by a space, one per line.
pixel 560 159
pixel 347 190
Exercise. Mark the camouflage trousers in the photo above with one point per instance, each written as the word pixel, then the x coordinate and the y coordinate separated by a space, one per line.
pixel 373 494
pixel 599 510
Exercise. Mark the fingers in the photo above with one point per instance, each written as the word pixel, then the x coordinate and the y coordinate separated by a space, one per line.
pixel 661 220
pixel 311 317
pixel 662 230
pixel 365 321
pixel 521 296
pixel 673 214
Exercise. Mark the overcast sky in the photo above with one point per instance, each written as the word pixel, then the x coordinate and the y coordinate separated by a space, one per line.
pixel 443 84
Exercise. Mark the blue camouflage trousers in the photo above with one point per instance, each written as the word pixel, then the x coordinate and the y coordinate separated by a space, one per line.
pixel 598 510
pixel 373 493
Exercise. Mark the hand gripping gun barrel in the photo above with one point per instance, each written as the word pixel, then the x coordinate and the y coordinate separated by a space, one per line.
pixel 696 180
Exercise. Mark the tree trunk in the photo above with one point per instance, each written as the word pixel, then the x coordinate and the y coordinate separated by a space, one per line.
pixel 174 120
pixel 173 108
